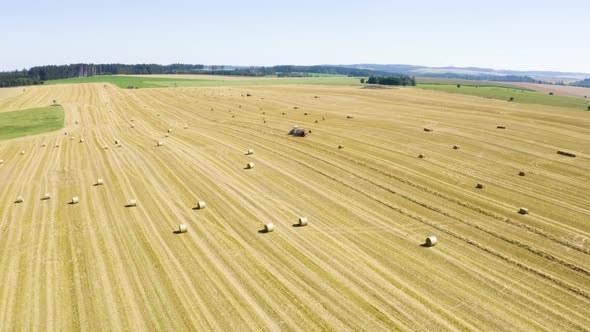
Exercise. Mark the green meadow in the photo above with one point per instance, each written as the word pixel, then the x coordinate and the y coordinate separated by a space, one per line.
pixel 31 121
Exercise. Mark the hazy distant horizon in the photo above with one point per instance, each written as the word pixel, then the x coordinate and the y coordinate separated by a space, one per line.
pixel 505 35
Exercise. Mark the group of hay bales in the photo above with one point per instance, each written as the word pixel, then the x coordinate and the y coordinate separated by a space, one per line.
pixel 521 210
pixel 270 227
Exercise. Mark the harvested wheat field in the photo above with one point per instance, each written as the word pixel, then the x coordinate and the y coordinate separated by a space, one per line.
pixel 360 264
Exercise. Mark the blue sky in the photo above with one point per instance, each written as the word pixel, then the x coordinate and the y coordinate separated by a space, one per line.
pixel 526 35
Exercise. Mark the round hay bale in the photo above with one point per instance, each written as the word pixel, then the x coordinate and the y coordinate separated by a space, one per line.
pixel 421 156
pixel 250 165
pixel 132 125
pixel 57 145
pixel 182 228
pixel 303 221
pixel 159 143
pixel 99 182
pixel 250 151
pixel 456 147
pixel 1 161
pixel 185 127
pixel 66 133
pixel 201 205
pixel 22 152
pixel 269 228
pixel 132 202
pixel 169 130
pixel 521 173
pixel 44 145
pixel 120 145
pixel 117 141
pixel 82 140
pixel 45 197
pixel 523 210
pixel 479 186
pixel 431 241
pixel 75 200
pixel 340 146
pixel 19 199
pixel 72 138
pixel 106 147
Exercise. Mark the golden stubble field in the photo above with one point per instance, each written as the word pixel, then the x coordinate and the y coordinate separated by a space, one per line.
pixel 358 265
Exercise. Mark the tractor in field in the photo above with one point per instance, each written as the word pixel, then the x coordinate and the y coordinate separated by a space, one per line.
pixel 296 131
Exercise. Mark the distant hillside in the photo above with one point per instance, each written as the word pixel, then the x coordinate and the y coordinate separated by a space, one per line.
pixel 474 73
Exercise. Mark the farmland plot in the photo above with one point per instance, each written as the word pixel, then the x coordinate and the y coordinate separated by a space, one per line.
pixel 359 264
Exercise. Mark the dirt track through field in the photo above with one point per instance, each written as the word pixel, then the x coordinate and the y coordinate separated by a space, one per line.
pixel 358 265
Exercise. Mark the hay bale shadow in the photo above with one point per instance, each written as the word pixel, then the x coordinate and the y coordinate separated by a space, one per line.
pixel 297 225
pixel 129 205
pixel 263 231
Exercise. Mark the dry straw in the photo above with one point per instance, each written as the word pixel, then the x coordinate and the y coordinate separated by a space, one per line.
pixel 431 241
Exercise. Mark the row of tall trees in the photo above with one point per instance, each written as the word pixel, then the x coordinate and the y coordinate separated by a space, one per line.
pixel 392 80
pixel 36 75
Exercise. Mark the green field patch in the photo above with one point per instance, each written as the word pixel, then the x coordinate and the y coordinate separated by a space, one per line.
pixel 31 121
pixel 160 82
pixel 505 93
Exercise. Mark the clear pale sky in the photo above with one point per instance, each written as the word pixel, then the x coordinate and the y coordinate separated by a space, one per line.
pixel 501 34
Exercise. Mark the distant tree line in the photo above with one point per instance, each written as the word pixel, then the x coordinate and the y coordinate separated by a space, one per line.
pixel 480 77
pixel 584 83
pixel 36 75
pixel 39 74
pixel 392 80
